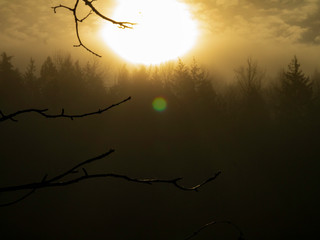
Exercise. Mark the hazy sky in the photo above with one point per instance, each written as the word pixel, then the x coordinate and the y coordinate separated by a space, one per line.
pixel 270 31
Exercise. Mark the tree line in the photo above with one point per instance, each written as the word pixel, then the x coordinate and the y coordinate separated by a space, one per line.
pixel 65 83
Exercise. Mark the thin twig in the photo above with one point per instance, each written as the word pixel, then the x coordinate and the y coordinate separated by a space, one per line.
pixel 61 115
pixel 18 200
pixel 120 24
pixel 50 183
pixel 61 6
pixel 80 165
pixel 92 10
pixel 214 223
pixel 114 175
pixel 81 20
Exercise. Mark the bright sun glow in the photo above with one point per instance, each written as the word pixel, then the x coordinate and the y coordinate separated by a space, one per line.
pixel 164 31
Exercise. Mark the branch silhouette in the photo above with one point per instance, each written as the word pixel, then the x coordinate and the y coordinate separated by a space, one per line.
pixel 88 3
pixel 61 115
pixel 59 180
pixel 196 233
pixel 18 200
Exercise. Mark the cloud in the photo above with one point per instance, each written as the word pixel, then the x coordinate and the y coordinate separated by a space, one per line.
pixel 227 3
pixel 285 20
pixel 26 20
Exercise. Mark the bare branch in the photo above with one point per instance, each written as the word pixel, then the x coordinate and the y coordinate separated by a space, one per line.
pixel 127 178
pixel 79 165
pixel 92 10
pixel 61 6
pixel 81 20
pixel 120 24
pixel 58 181
pixel 18 200
pixel 79 39
pixel 61 115
pixel 53 183
pixel 214 223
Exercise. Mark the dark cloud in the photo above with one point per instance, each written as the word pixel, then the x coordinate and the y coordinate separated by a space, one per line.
pixel 312 35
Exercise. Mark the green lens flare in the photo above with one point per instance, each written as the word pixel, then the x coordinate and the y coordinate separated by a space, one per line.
pixel 159 104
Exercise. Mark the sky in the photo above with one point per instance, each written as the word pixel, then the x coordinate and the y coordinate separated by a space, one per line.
pixel 269 31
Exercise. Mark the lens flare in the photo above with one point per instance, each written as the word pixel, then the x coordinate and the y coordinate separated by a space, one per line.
pixel 159 104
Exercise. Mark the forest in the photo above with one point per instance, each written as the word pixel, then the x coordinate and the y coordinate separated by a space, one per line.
pixel 263 136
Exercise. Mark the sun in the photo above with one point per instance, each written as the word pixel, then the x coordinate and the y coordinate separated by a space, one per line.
pixel 165 30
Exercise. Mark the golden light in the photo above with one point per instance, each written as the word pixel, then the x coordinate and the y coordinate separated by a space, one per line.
pixel 165 30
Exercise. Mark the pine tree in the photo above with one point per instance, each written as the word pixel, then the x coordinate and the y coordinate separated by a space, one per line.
pixel 296 90
pixel 205 93
pixel 183 85
pixel 48 70
pixel 31 83
pixel 11 87
pixel 30 74
pixel 50 89
pixel 5 63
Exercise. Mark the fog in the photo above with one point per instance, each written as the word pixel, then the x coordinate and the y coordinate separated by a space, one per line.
pixel 244 101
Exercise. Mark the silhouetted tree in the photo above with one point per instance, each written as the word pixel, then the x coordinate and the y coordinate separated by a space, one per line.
pixel 203 85
pixel 182 84
pixel 295 91
pixel 250 79
pixel 11 86
pixel 122 81
pixel 48 70
pixel 94 84
pixel 50 90
pixel 31 83
pixel 30 74
pixel 5 64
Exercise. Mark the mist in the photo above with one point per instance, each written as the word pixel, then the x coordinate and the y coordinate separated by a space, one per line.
pixel 244 101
